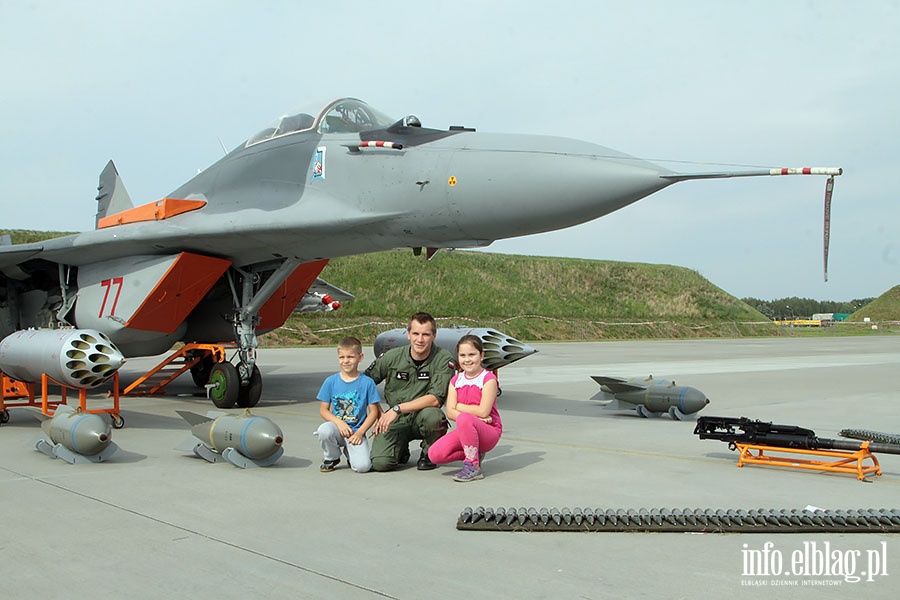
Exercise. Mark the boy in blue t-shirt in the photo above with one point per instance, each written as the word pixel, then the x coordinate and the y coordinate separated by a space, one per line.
pixel 346 397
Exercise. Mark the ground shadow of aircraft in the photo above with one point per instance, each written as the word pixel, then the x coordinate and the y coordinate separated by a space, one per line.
pixel 231 253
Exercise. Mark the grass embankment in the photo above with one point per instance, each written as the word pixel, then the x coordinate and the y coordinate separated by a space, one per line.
pixel 884 308
pixel 531 298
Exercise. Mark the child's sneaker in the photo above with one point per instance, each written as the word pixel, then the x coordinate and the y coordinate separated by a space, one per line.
pixel 468 473
pixel 329 465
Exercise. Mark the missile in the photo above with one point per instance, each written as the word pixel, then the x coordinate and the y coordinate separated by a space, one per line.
pixel 75 436
pixel 499 349
pixel 650 397
pixel 78 358
pixel 316 302
pixel 244 440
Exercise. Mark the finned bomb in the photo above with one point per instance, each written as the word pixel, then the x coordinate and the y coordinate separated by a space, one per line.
pixel 75 436
pixel 650 397
pixel 244 440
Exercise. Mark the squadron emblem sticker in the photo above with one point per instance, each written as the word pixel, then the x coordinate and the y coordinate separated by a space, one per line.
pixel 318 164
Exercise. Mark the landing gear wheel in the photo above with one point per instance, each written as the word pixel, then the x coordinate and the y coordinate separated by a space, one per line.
pixel 4 416
pixel 249 394
pixel 201 371
pixel 226 385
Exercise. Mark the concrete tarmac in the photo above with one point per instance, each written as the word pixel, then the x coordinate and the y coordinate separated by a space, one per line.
pixel 154 522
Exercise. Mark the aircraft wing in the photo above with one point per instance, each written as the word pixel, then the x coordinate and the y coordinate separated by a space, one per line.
pixel 12 256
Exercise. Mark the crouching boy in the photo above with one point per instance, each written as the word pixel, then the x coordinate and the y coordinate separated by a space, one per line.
pixel 350 406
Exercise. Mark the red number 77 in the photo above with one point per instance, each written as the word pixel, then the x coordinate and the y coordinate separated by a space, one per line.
pixel 108 283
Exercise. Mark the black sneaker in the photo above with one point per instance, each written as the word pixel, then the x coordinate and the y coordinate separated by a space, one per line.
pixel 425 463
pixel 329 465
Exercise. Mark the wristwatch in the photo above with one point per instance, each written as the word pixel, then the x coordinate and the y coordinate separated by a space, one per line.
pixel 396 408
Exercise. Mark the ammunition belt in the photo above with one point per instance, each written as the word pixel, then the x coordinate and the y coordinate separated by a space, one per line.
pixel 872 436
pixel 698 520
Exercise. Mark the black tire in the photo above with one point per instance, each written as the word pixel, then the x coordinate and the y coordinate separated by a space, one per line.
pixel 226 385
pixel 201 371
pixel 249 394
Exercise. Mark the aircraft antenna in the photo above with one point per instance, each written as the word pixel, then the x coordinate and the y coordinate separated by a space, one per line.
pixel 224 149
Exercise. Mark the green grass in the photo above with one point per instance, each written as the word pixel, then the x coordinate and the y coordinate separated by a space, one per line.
pixel 27 236
pixel 884 308
pixel 531 298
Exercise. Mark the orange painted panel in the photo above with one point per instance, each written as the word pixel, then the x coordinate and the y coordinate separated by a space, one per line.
pixel 14 389
pixel 154 211
pixel 279 307
pixel 180 290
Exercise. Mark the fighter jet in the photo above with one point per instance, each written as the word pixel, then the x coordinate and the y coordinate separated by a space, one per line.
pixel 228 255
pixel 650 397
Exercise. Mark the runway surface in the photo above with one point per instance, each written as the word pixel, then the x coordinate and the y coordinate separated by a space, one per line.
pixel 154 522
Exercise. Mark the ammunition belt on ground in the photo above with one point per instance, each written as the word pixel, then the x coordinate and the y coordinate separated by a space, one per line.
pixel 707 520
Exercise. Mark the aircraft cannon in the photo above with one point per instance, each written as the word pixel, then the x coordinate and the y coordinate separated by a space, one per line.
pixel 79 358
pixel 742 430
pixel 764 443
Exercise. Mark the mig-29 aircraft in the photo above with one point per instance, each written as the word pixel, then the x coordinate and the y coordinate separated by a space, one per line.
pixel 229 255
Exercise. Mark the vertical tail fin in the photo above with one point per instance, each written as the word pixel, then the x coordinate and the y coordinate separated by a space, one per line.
pixel 111 194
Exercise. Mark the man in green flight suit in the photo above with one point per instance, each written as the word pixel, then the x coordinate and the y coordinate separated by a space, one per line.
pixel 416 381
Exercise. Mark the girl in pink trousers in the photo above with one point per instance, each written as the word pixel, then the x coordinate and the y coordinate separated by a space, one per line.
pixel 471 402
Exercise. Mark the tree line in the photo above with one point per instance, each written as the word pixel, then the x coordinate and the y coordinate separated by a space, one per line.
pixel 804 308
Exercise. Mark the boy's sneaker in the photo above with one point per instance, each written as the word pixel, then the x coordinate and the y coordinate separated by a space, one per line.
pixel 468 473
pixel 329 465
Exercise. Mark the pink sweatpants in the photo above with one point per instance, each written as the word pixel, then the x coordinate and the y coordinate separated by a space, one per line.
pixel 471 436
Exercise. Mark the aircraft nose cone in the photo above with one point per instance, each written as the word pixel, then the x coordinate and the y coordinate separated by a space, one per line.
pixel 542 184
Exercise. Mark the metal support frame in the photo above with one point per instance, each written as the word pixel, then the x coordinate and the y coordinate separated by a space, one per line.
pixel 839 461
pixel 23 394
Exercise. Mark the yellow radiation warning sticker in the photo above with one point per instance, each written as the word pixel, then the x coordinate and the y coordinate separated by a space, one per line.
pixel 452 181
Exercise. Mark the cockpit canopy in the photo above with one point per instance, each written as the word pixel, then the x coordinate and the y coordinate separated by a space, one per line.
pixel 346 115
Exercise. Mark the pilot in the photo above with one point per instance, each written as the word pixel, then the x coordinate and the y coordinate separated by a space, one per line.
pixel 416 380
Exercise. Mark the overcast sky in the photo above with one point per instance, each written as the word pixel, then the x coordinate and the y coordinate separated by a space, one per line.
pixel 156 85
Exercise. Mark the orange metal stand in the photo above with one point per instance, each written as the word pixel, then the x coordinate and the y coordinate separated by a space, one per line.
pixel 180 361
pixel 15 393
pixel 23 394
pixel 839 460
